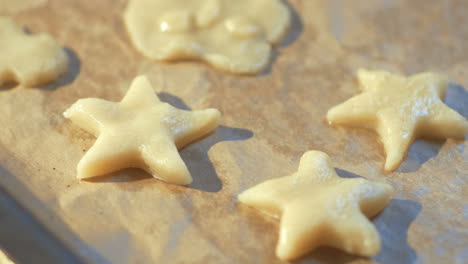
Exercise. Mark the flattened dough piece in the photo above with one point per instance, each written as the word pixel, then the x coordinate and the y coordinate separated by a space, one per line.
pixel 319 208
pixel 400 109
pixel 28 59
pixel 139 132
pixel 234 36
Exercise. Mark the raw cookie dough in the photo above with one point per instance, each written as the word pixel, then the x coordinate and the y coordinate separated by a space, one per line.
pixel 235 36
pixel 319 208
pixel 28 59
pixel 4 259
pixel 139 132
pixel 400 109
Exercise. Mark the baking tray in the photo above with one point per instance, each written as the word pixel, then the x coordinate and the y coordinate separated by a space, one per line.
pixel 268 121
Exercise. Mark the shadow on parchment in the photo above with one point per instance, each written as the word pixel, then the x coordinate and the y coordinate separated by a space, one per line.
pixel 457 98
pixel 8 86
pixel 393 224
pixel 73 70
pixel 419 153
pixel 423 150
pixel 295 30
pixel 194 155
pixel 198 163
pixel 346 174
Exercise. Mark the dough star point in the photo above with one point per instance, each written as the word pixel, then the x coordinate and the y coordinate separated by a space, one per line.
pixel 139 132
pixel 317 208
pixel 400 109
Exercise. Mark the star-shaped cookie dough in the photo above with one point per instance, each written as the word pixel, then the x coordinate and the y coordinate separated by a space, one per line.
pixel 28 59
pixel 319 208
pixel 139 132
pixel 400 109
pixel 234 36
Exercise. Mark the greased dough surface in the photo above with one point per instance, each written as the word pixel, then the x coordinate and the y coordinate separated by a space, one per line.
pixel 28 59
pixel 400 109
pixel 140 132
pixel 234 36
pixel 319 208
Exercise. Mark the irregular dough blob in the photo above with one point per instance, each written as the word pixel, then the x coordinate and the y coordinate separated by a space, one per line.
pixel 319 208
pixel 139 132
pixel 29 59
pixel 234 36
pixel 400 109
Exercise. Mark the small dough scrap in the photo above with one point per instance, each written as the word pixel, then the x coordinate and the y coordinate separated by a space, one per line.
pixel 29 59
pixel 234 36
pixel 139 132
pixel 318 208
pixel 400 109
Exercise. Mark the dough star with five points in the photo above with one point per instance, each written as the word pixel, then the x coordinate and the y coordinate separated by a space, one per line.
pixel 139 132
pixel 320 208
pixel 400 109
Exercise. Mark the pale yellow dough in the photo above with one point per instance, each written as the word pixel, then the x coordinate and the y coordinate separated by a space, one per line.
pixel 234 36
pixel 28 59
pixel 139 132
pixel 4 259
pixel 400 109
pixel 319 208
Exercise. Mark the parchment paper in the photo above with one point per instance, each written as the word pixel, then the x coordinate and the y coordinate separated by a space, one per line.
pixel 268 121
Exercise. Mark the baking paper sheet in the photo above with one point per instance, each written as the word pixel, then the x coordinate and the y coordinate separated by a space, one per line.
pixel 268 121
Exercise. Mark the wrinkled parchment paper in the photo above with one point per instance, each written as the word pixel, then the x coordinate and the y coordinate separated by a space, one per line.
pixel 268 121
